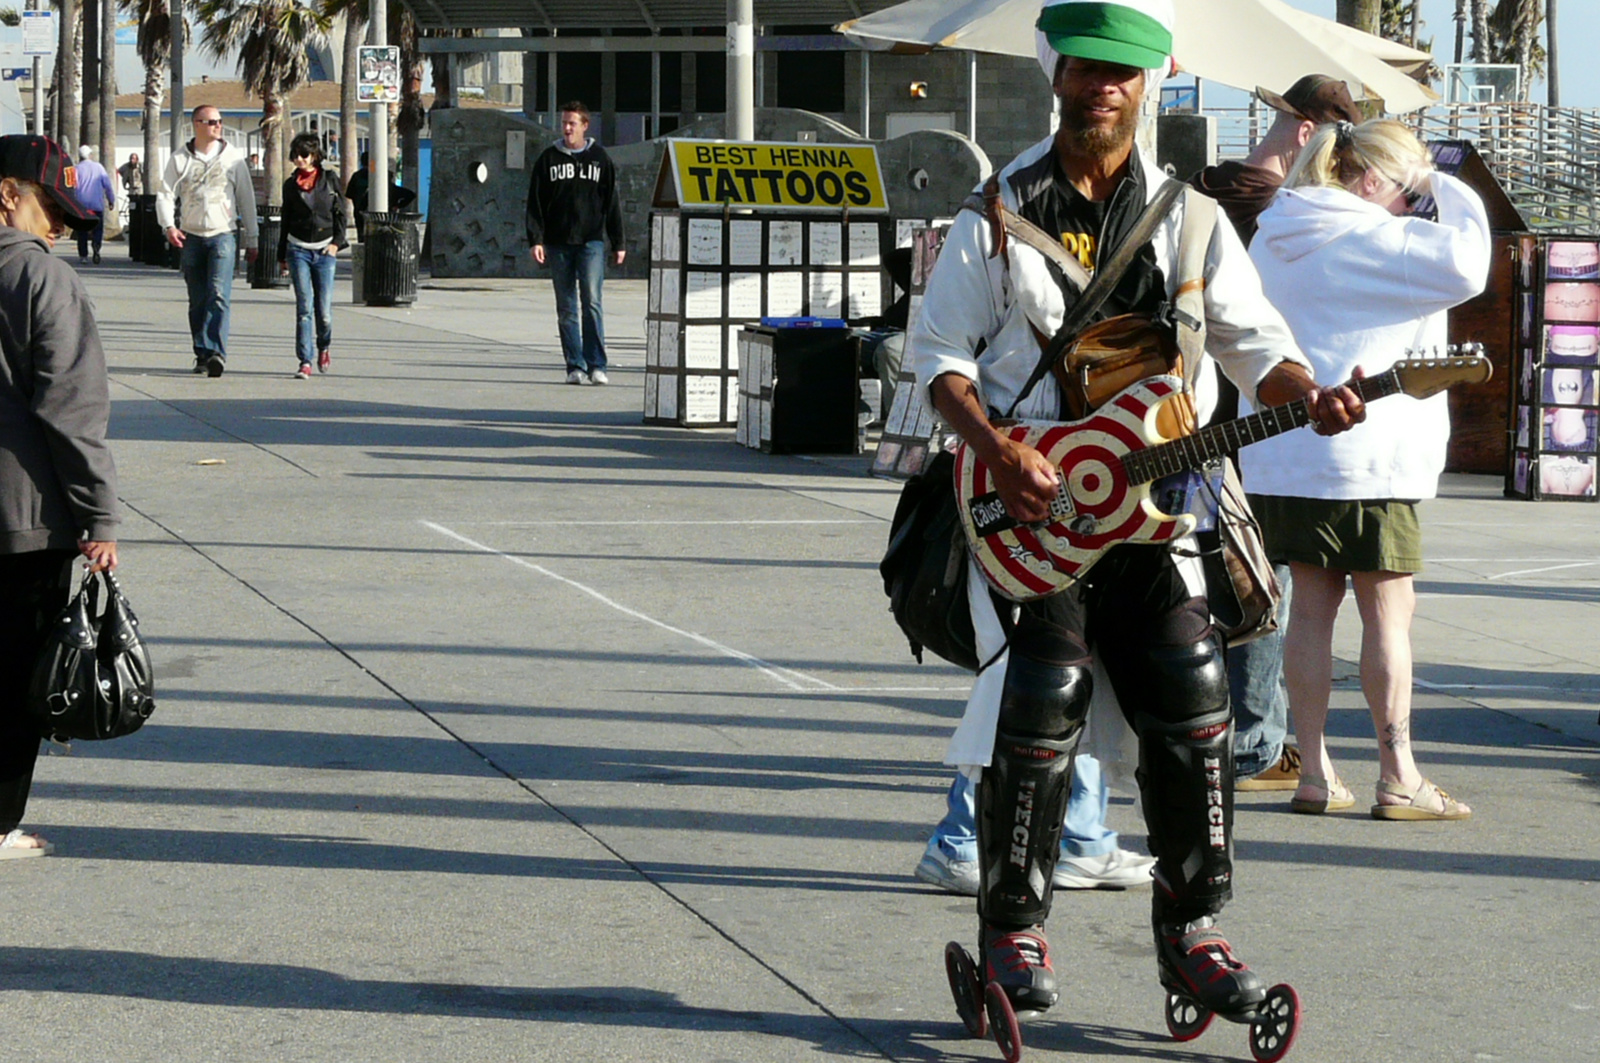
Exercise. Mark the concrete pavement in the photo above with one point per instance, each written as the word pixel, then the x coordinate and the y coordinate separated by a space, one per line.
pixel 496 725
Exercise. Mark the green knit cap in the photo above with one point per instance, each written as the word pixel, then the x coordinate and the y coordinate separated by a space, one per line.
pixel 1108 31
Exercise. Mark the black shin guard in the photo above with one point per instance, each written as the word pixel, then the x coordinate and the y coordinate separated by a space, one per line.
pixel 1186 783
pixel 1022 798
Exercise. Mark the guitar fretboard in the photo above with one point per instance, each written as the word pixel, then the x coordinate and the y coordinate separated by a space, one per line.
pixel 1218 441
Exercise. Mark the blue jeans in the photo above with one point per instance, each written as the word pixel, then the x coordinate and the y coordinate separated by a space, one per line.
pixel 207 263
pixel 95 236
pixel 312 274
pixel 1084 832
pixel 1260 700
pixel 577 271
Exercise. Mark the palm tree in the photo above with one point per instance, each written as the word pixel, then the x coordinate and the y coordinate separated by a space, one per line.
pixel 154 47
pixel 1362 14
pixel 1552 71
pixel 356 14
pixel 272 38
pixel 1481 38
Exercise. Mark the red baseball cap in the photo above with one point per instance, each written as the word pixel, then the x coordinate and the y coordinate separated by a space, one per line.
pixel 41 160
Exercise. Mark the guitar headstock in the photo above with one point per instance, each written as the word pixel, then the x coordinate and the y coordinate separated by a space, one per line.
pixel 1424 377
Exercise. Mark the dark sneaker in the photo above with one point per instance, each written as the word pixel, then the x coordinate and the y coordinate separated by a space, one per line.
pixel 1194 960
pixel 1019 960
pixel 97 258
pixel 199 367
pixel 324 360
pixel 215 365
pixel 1284 775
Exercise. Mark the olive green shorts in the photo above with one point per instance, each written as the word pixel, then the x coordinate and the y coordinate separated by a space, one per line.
pixel 1346 535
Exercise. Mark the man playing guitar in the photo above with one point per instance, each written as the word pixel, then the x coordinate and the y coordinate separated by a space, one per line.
pixel 1140 607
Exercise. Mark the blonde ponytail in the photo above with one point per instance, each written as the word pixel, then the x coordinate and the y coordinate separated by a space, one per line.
pixel 1339 155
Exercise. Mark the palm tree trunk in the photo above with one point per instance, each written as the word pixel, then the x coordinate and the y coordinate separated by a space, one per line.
pixel 66 114
pixel 355 28
pixel 154 85
pixel 89 31
pixel 272 149
pixel 1364 15
pixel 108 84
pixel 1480 31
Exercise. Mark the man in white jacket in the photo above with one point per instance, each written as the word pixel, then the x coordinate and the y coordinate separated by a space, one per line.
pixel 1144 612
pixel 210 180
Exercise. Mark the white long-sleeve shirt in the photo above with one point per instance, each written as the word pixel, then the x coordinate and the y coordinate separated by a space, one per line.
pixel 971 297
pixel 214 190
pixel 1359 287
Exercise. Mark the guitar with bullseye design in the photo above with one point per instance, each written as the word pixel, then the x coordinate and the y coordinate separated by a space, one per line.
pixel 1108 460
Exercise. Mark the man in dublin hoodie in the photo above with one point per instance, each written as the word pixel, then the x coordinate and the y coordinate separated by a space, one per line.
pixel 572 212
pixel 210 179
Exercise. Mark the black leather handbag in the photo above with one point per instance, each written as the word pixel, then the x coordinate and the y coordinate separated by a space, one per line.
pixel 92 679
pixel 924 569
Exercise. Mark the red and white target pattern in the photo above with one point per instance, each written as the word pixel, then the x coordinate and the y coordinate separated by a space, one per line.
pixel 1099 508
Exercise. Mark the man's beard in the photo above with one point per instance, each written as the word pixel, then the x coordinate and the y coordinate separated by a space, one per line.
pixel 1099 141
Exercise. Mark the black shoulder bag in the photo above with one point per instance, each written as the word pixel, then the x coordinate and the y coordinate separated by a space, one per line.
pixel 92 679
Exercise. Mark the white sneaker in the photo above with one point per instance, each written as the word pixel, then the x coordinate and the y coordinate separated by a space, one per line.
pixel 599 377
pixel 957 876
pixel 577 376
pixel 1116 870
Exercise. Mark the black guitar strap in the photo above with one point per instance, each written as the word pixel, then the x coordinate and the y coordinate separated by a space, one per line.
pixel 1100 286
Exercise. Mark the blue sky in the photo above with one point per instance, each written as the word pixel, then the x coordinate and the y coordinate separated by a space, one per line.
pixel 1578 26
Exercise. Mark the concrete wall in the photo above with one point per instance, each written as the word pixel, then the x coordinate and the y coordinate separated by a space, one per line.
pixel 1014 100
pixel 477 228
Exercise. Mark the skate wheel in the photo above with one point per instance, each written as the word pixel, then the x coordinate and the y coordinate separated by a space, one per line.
pixel 1186 1020
pixel 1003 1022
pixel 966 989
pixel 1273 1032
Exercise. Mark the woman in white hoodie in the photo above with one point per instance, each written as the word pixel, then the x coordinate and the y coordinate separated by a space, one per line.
pixel 1361 282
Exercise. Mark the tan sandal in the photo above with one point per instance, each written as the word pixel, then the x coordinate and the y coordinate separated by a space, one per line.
pixel 1427 801
pixel 1336 795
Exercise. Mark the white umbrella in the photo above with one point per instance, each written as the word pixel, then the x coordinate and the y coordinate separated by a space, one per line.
pixel 1243 43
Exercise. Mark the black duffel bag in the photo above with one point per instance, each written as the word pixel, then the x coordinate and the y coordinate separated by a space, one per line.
pixel 925 567
pixel 92 679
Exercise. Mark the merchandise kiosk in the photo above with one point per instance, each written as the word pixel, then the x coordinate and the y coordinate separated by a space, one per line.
pixel 1556 396
pixel 742 232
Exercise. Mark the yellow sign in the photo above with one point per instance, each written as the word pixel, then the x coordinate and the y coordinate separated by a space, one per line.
pixel 772 175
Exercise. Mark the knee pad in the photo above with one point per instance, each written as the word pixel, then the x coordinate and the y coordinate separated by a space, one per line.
pixel 1186 785
pixel 1044 700
pixel 1177 684
pixel 1022 800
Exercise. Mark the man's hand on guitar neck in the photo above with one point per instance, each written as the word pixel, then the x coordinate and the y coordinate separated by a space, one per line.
pixel 1024 479
pixel 1333 410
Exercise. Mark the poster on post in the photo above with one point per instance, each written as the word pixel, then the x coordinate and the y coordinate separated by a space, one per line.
pixel 378 74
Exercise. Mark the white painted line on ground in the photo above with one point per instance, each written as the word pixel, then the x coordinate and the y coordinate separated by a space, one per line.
pixel 1508 560
pixel 787 676
pixel 1547 568
pixel 648 523
pixel 1486 686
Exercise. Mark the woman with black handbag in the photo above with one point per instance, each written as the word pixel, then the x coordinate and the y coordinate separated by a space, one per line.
pixel 58 491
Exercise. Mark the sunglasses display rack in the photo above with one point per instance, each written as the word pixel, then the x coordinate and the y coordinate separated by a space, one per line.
pixel 911 424
pixel 711 274
pixel 1554 419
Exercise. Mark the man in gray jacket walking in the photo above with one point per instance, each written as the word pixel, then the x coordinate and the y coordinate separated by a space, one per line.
pixel 210 180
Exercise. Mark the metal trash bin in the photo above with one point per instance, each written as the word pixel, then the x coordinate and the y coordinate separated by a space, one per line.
pixel 358 289
pixel 153 245
pixel 392 260
pixel 263 272
pixel 136 227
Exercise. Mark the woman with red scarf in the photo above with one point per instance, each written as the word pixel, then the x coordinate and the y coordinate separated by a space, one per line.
pixel 310 238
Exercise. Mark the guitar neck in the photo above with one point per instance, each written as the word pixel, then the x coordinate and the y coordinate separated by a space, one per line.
pixel 1220 440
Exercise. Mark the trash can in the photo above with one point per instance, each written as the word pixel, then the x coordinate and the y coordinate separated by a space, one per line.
pixel 392 260
pixel 263 272
pixel 135 229
pixel 153 244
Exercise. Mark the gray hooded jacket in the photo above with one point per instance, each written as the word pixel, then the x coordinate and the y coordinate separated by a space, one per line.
pixel 57 480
